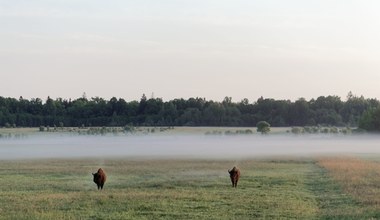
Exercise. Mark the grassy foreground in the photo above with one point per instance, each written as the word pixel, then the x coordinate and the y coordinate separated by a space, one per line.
pixel 180 189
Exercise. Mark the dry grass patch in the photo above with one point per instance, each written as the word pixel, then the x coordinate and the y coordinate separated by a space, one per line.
pixel 359 178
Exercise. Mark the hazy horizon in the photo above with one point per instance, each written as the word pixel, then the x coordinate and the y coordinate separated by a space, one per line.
pixel 190 146
pixel 182 49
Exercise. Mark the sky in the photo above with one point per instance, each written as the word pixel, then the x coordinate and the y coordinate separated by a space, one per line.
pixel 189 48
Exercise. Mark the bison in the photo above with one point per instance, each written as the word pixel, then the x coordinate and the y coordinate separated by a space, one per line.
pixel 234 175
pixel 100 178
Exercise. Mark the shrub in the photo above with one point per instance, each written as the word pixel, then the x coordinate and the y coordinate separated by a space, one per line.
pixel 346 130
pixel 248 131
pixel 325 130
pixel 129 128
pixel 263 127
pixel 334 130
pixel 297 130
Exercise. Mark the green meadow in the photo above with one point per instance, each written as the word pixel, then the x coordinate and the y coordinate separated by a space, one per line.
pixel 280 188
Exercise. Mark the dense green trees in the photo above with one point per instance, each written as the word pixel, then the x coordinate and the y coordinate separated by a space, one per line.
pixel 330 110
pixel 370 120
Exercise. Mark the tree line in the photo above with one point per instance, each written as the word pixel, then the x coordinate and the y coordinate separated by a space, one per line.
pixel 96 111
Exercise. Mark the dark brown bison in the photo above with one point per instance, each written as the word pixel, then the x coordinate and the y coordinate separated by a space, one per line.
pixel 100 178
pixel 234 175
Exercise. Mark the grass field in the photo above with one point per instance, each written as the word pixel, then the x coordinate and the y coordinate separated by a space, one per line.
pixel 326 188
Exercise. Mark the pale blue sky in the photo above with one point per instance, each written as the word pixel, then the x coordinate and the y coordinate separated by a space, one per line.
pixel 195 48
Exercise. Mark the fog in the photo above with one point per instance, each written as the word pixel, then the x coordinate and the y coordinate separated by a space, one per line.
pixel 185 146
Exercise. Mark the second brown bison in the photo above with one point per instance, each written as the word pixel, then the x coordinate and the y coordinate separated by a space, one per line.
pixel 100 178
pixel 234 175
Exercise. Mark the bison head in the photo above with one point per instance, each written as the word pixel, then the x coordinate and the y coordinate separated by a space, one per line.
pixel 95 176
pixel 232 171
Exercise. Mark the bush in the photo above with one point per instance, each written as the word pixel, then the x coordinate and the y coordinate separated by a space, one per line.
pixel 297 130
pixel 346 130
pixel 311 130
pixel 325 130
pixel 129 128
pixel 248 131
pixel 263 127
pixel 334 130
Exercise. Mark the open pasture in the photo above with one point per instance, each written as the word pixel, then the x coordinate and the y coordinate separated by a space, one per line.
pixel 190 189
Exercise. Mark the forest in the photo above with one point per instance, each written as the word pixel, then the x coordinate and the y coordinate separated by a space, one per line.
pixel 96 111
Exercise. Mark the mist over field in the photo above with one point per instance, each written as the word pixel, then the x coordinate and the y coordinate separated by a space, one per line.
pixel 185 146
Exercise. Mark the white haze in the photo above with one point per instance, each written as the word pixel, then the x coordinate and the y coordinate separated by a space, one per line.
pixel 185 146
